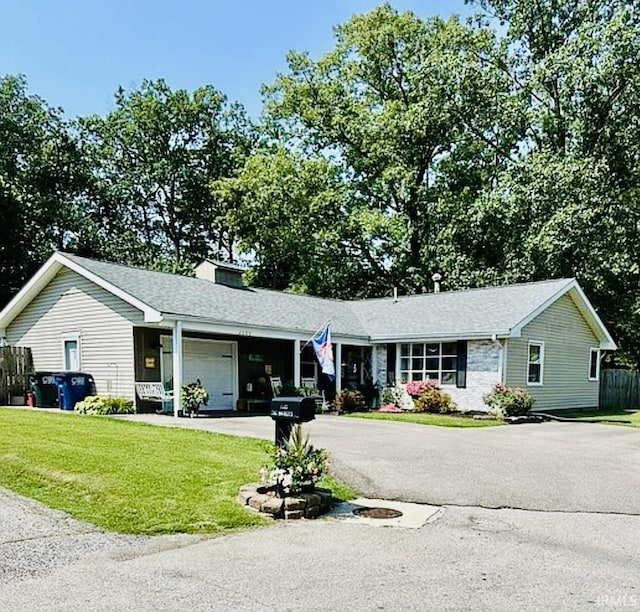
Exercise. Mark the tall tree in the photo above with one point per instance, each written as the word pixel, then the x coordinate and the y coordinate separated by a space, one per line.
pixel 155 156
pixel 43 184
pixel 414 115
pixel 571 202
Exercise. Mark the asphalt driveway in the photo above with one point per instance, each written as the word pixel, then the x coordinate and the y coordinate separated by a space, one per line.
pixel 469 559
pixel 569 467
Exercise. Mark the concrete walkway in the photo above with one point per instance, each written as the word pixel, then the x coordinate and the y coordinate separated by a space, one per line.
pixel 568 467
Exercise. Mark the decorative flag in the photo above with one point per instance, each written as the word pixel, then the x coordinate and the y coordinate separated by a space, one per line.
pixel 323 349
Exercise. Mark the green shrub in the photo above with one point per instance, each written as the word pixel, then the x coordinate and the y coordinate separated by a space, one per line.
pixel 433 399
pixel 295 466
pixel 101 405
pixel 349 401
pixel 508 402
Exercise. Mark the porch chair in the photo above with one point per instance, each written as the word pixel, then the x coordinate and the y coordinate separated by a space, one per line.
pixel 308 383
pixel 155 392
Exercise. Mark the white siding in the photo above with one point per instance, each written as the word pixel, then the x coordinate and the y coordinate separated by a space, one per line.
pixel 567 342
pixel 71 303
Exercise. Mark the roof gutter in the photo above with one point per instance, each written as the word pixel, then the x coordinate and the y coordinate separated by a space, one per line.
pixel 243 329
pixel 439 337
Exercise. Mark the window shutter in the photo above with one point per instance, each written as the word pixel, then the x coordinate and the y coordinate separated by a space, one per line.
pixel 461 374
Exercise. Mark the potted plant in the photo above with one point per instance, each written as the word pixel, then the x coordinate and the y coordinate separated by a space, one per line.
pixel 192 396
pixel 16 394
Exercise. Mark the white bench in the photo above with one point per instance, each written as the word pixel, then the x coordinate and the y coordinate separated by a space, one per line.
pixel 155 392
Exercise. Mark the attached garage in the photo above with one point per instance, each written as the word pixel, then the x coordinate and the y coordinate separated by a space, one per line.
pixel 214 363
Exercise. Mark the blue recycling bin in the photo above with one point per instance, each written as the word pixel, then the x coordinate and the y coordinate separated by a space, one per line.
pixel 73 387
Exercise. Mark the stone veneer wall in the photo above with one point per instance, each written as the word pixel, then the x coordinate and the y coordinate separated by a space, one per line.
pixel 483 371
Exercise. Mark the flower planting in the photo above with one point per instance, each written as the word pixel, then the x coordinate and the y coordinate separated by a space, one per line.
pixel 296 467
pixel 508 402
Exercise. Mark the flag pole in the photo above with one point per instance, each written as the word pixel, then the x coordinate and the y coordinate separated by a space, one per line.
pixel 315 334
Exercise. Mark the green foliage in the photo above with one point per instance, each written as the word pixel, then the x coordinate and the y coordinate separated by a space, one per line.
pixel 122 476
pixel 296 465
pixel 433 399
pixel 279 208
pixel 154 157
pixel 506 401
pixel 103 404
pixel 391 395
pixel 192 396
pixel 387 108
pixel 43 182
pixel 426 418
pixel 490 154
pixel 349 401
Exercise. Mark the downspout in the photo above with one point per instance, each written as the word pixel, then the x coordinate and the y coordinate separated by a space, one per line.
pixel 502 357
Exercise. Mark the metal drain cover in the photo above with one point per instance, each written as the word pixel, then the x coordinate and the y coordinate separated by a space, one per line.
pixel 378 513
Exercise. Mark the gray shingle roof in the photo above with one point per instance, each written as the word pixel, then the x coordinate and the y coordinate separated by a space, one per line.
pixel 193 297
pixel 455 314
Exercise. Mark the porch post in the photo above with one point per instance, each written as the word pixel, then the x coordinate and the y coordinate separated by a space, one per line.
pixel 296 363
pixel 338 366
pixel 177 365
pixel 374 365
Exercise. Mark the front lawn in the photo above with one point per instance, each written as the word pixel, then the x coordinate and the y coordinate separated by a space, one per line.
pixel 129 477
pixel 427 418
pixel 614 415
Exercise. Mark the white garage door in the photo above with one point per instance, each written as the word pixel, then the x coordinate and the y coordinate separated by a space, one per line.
pixel 213 363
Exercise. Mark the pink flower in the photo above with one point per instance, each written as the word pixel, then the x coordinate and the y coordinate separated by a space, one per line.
pixel 389 408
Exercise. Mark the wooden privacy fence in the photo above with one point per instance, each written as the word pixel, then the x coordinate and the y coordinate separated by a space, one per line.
pixel 619 389
pixel 16 364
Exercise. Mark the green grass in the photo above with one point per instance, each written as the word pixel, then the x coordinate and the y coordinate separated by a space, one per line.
pixel 129 477
pixel 619 414
pixel 132 477
pixel 425 418
pixel 339 490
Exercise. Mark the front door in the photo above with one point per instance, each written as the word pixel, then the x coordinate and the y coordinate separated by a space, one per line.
pixel 213 364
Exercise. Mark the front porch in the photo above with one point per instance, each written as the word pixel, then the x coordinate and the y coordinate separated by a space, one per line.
pixel 237 370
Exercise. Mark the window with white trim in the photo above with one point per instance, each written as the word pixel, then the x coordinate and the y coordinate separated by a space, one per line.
pixel 71 352
pixel 535 363
pixel 429 361
pixel 308 364
pixel 594 364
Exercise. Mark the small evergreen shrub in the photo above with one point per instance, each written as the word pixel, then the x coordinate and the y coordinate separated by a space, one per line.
pixel 506 401
pixel 102 405
pixel 349 401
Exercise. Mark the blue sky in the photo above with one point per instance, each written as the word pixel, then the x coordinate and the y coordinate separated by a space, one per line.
pixel 76 53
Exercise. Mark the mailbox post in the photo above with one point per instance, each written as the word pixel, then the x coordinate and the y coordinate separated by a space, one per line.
pixel 288 411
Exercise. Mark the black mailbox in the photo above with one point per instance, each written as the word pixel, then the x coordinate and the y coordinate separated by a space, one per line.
pixel 286 411
pixel 294 409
